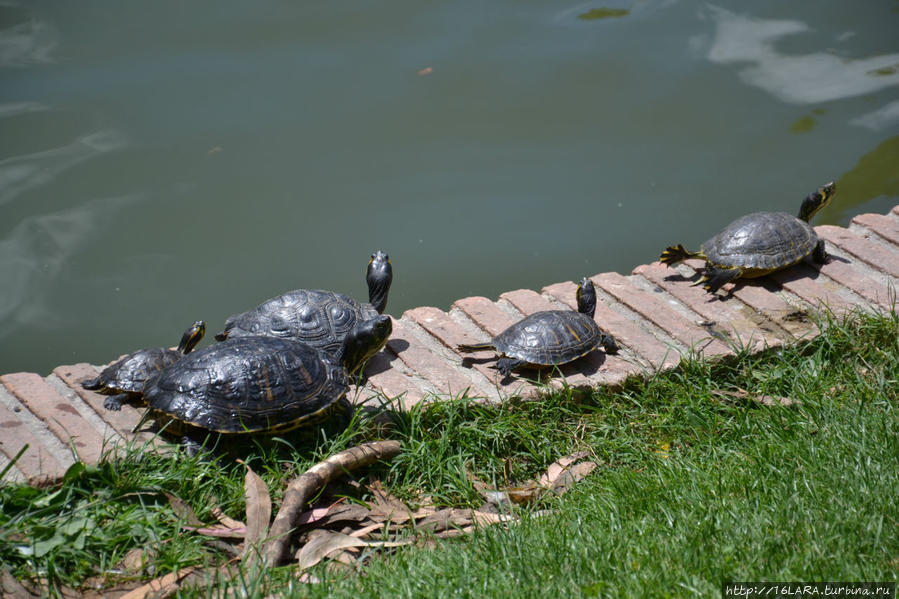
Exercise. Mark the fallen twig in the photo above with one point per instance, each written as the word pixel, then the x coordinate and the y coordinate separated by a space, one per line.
pixel 302 488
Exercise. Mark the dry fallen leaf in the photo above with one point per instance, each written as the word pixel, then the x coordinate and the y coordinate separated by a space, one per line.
pixel 338 513
pixel 572 475
pixel 182 510
pixel 325 542
pixel 445 519
pixel 218 530
pixel 259 508
pixel 160 587
pixel 10 587
pixel 385 506
pixel 557 468
pixel 226 521
pixel 362 532
pixel 136 560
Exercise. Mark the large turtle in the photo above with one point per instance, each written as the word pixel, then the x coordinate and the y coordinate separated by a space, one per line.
pixel 259 384
pixel 320 318
pixel 127 377
pixel 551 337
pixel 759 243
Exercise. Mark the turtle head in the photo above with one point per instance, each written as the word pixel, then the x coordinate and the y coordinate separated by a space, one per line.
pixel 379 276
pixel 192 336
pixel 816 200
pixel 586 297
pixel 365 340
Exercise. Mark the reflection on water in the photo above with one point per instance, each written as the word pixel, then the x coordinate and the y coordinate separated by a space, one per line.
pixel 31 42
pixel 36 250
pixel 875 176
pixel 802 79
pixel 22 173
pixel 166 161
pixel 17 108
pixel 883 118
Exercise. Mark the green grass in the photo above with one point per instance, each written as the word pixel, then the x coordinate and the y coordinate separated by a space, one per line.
pixel 742 492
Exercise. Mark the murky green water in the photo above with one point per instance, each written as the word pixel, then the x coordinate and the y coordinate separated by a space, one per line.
pixel 167 161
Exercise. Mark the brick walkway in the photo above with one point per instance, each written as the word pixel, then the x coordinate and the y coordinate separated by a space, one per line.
pixel 655 315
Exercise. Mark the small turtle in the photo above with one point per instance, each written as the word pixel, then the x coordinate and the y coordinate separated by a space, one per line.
pixel 127 377
pixel 258 384
pixel 551 337
pixel 320 318
pixel 758 244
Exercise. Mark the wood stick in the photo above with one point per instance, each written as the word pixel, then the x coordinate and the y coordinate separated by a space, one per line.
pixel 305 486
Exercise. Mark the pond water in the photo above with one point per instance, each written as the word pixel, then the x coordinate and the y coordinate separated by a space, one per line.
pixel 166 161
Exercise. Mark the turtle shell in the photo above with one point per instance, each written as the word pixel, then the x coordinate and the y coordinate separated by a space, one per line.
pixel 762 241
pixel 549 338
pixel 320 318
pixel 131 373
pixel 248 384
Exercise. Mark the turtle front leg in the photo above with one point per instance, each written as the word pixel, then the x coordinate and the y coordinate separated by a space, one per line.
pixel 507 365
pixel 114 402
pixel 714 277
pixel 608 343
pixel 819 255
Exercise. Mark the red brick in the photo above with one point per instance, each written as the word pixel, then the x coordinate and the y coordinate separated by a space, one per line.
pixel 122 421
pixel 654 309
pixel 614 369
pixel 57 412
pixel 384 378
pixel 528 301
pixel 623 329
pixel 865 250
pixel 885 226
pixel 872 288
pixel 730 317
pixel 485 314
pixel 803 281
pixel 446 377
pixel 443 328
pixel 760 295
pixel 37 463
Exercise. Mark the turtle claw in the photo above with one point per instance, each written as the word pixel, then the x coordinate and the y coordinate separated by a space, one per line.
pixel 715 278
pixel 113 403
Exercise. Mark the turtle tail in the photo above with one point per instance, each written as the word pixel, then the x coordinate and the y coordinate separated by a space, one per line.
pixel 677 253
pixel 468 348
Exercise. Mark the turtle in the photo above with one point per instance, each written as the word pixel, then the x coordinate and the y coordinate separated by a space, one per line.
pixel 759 243
pixel 127 377
pixel 258 384
pixel 317 317
pixel 550 337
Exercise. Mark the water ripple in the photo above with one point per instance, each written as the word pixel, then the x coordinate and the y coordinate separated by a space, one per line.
pixel 22 173
pixel 37 249
pixel 31 42
pixel 797 79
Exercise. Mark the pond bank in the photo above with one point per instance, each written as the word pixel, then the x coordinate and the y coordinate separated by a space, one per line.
pixel 655 315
